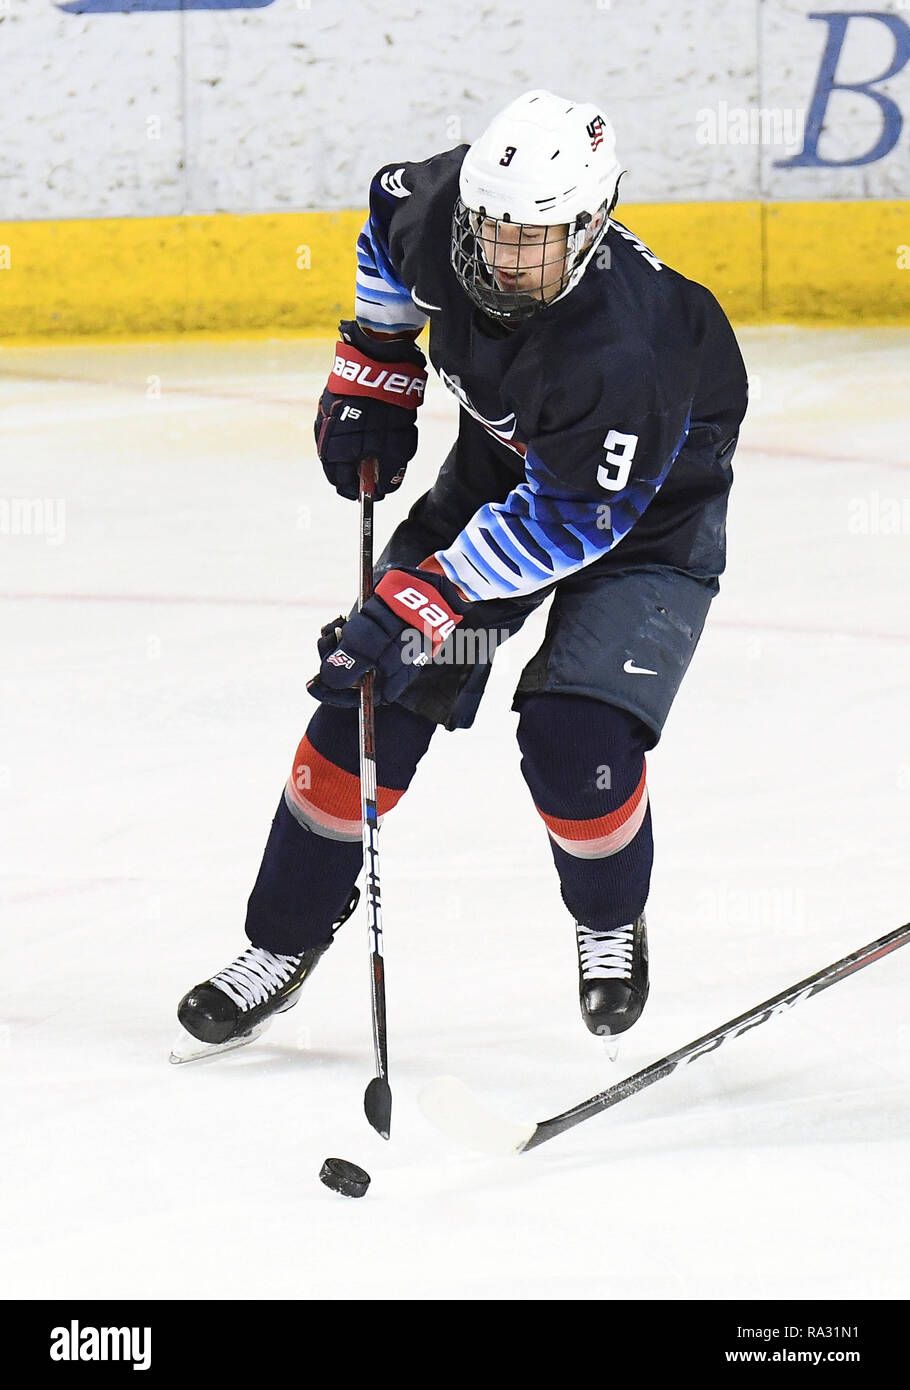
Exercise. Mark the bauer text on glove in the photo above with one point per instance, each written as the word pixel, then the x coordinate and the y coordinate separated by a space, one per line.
pixel 405 602
pixel 369 409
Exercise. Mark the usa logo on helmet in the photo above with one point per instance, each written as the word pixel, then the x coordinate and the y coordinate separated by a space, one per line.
pixel 595 131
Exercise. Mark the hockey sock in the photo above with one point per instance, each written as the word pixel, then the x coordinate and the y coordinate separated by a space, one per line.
pixel 584 764
pixel 314 851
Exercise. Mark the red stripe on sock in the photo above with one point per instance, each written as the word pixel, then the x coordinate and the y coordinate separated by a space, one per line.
pixel 599 826
pixel 327 789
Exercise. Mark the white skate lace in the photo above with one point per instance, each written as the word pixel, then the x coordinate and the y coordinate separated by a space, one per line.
pixel 606 955
pixel 255 976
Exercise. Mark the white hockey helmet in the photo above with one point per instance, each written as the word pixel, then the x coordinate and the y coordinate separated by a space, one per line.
pixel 544 161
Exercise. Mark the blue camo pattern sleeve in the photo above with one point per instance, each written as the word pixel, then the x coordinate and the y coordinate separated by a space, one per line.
pixel 382 302
pixel 546 529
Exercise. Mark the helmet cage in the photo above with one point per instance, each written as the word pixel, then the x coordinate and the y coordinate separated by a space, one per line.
pixel 476 239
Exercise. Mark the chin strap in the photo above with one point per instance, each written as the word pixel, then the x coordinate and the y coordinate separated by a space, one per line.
pixel 578 271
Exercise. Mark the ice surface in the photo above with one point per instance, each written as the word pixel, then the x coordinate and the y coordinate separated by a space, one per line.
pixel 157 631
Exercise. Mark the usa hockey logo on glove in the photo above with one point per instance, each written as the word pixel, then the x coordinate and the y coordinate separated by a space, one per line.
pixel 340 658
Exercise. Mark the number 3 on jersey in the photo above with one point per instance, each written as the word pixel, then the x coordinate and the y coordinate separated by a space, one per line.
pixel 614 474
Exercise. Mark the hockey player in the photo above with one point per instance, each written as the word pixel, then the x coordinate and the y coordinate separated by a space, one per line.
pixel 601 395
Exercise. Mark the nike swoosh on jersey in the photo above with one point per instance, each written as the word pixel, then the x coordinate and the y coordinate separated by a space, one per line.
pixel 634 670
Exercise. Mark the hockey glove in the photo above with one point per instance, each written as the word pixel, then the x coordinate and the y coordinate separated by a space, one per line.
pixel 369 410
pixel 407 617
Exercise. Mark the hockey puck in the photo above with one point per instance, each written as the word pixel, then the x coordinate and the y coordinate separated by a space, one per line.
pixel 344 1177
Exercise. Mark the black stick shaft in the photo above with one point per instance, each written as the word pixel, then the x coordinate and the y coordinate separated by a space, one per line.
pixel 378 1098
pixel 548 1129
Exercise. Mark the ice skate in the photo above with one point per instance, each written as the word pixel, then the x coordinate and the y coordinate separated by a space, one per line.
pixel 238 1004
pixel 612 976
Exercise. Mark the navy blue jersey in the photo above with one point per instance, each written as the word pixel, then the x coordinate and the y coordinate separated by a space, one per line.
pixel 595 396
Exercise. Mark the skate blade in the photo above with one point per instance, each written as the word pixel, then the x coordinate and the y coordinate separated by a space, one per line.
pixel 186 1048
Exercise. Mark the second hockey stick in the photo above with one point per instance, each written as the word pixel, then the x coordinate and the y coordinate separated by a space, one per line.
pixel 453 1108
pixel 377 1100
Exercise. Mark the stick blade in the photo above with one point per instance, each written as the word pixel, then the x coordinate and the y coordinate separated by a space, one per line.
pixel 454 1109
pixel 377 1105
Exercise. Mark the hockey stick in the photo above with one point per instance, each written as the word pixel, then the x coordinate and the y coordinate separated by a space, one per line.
pixel 452 1107
pixel 377 1099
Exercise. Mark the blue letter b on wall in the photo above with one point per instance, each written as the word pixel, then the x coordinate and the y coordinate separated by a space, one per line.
pixel 838 22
